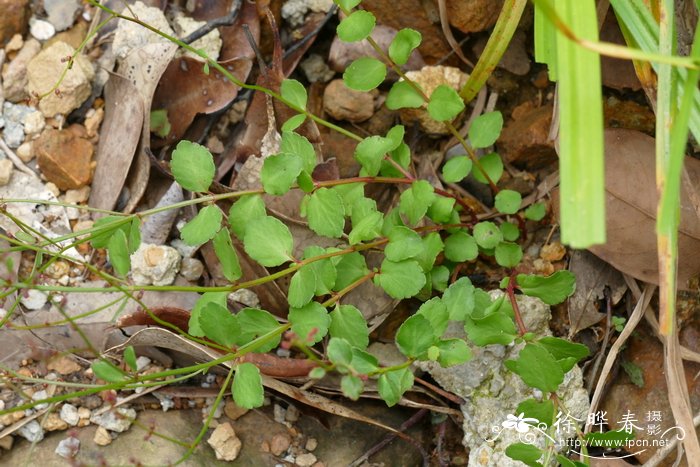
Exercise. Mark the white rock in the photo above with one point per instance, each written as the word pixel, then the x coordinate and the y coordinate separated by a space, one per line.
pixel 191 269
pixel 68 448
pixel 6 168
pixel 14 75
pixel 305 460
pixel 44 71
pixel 142 362
pixel 61 12
pixel 154 264
pixel 316 69
pixel 210 42
pixel 40 29
pixel 13 116
pixel 24 151
pixel 225 443
pixel 245 297
pixel 294 11
pixel 38 396
pixel 33 299
pixel 185 250
pixel 130 36
pixel 33 123
pixel 32 432
pixel 69 414
pixel 77 196
pixel 118 420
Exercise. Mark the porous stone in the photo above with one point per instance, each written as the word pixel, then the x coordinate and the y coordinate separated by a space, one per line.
pixel 225 443
pixel 14 76
pixel 33 299
pixel 130 36
pixel 64 158
pixel 44 71
pixel 280 443
pixel 343 103
pixel 6 168
pixel 154 264
pixel 13 116
pixel 68 448
pixel 210 43
pixel 102 437
pixel 294 11
pixel 33 123
pixel 429 78
pixel 316 69
pixel 118 419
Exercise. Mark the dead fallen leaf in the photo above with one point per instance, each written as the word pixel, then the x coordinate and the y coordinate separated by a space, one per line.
pixel 631 200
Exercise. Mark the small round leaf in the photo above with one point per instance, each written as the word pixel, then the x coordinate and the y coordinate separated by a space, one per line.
pixel 405 41
pixel 357 26
pixel 364 74
pixel 192 166
pixel 445 104
pixel 508 201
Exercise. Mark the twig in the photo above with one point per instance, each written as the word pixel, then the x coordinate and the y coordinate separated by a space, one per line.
pixel 606 339
pixel 16 160
pixel 226 20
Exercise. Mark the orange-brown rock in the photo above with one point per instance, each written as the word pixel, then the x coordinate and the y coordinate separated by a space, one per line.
pixel 473 15
pixel 525 139
pixel 64 158
pixel 14 19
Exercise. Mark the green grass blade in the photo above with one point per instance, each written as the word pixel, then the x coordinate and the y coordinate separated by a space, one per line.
pixel 582 180
pixel 546 42
pixel 495 47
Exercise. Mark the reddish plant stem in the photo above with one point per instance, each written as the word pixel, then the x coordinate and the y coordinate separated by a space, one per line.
pixel 510 290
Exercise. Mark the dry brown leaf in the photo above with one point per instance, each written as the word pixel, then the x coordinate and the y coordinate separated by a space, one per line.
pixel 631 200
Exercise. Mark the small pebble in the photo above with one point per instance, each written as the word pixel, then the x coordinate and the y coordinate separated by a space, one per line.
pixel 6 168
pixel 292 414
pixel 32 432
pixel 41 30
pixel 33 299
pixel 115 422
pixel 278 413
pixel 311 444
pixel 306 460
pixel 24 152
pixel 191 269
pixel 142 362
pixel 68 448
pixel 102 437
pixel 280 443
pixel 69 414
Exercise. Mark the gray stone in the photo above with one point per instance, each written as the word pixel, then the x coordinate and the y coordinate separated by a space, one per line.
pixel 33 299
pixel 68 448
pixel 61 12
pixel 154 264
pixel 69 414
pixel 15 74
pixel 32 432
pixel 118 420
pixel 130 36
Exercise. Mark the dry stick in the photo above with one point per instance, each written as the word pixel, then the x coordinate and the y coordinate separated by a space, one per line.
pixel 226 20
pixel 447 32
pixel 415 418
pixel 632 323
pixel 606 339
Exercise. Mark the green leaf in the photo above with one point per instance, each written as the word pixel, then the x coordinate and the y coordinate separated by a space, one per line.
pixel 339 351
pixel 435 311
pixel 357 26
pixel 294 143
pixel 510 231
pixel 459 299
pixel 255 323
pixel 395 136
pixel 160 125
pixel 351 386
pixel 456 169
pixel 508 201
pixel 317 373
pixel 203 227
pixel 401 155
pixel 350 193
pixel 244 212
pixel 536 212
pixel 279 172
pixel 219 324
pixel 403 44
pixel 110 224
pixel 348 323
pixel 310 322
pixel 635 373
pixel 526 453
pixel 445 104
pixel 415 201
pixel 487 235
pixel 324 269
pixel 133 239
pixel 494 328
pixel 403 243
pixel 393 384
pixel 350 268
pixel 218 298
pixel 439 277
pixel 363 362
pixel 294 122
pixel 227 255
pixel 608 439
pixel 192 166
pixel 368 228
pixel 247 388
pixel 401 280
pixel 403 96
pixel 294 92
pixel 508 254
pixel 268 241
pixel 119 253
pixel 107 372
pixel 370 152
pixel 565 462
pixel 415 336
pixel 453 352
pixel 347 4
pixel 567 353
pixel 552 289
pixel 441 209
pixel 364 74
pixel 302 287
pixel 432 247
pixel 485 129
pixel 130 358
pixel 460 247
pixel 540 410
pixel 538 368
pixel 493 165
pixel 326 213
